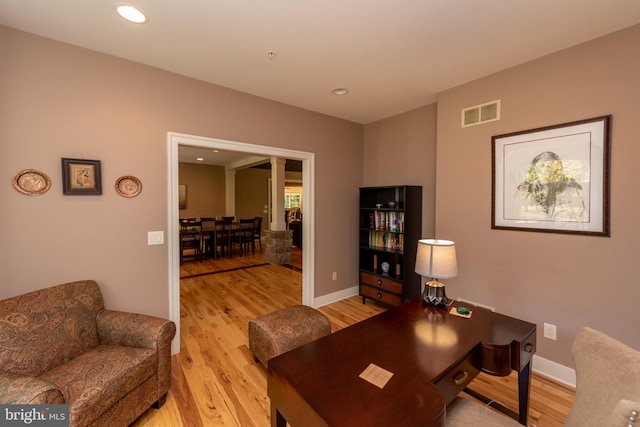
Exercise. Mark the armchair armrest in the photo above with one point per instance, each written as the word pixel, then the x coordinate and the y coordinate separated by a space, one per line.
pixel 26 390
pixel 134 330
pixel 139 330
pixel 622 411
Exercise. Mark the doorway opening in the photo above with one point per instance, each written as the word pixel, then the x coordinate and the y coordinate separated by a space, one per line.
pixel 174 140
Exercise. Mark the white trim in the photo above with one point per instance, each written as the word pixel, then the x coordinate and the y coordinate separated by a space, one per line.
pixel 555 371
pixel 173 234
pixel 308 174
pixel 308 230
pixel 336 296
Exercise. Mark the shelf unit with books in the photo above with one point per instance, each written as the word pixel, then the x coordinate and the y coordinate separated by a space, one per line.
pixel 390 226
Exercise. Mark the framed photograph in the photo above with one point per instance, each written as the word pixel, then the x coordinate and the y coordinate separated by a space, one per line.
pixel 553 179
pixel 81 177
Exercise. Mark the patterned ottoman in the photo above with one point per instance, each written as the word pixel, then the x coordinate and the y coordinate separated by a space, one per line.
pixel 275 333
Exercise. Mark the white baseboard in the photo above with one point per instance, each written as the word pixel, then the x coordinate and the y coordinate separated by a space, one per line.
pixel 555 371
pixel 335 297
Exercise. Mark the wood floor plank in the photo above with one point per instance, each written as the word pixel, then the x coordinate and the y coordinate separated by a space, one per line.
pixel 215 379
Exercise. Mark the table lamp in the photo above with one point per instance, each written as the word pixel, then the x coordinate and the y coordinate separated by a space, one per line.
pixel 436 259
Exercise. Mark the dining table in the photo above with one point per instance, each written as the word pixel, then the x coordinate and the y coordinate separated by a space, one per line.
pixel 212 230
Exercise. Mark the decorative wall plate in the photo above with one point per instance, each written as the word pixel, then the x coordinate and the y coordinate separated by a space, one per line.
pixel 31 182
pixel 128 186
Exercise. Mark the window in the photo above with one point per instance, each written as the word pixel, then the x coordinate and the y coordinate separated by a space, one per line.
pixel 292 200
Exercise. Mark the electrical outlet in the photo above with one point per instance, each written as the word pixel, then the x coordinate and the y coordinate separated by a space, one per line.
pixel 335 275
pixel 550 331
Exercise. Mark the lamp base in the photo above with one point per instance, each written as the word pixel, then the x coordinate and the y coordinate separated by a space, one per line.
pixel 434 294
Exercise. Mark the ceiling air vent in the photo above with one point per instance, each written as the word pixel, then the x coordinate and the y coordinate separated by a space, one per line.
pixel 482 113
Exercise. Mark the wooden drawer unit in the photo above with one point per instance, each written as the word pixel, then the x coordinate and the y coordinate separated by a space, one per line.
pixel 523 352
pixel 499 360
pixel 381 295
pixel 384 283
pixel 458 377
pixel 380 288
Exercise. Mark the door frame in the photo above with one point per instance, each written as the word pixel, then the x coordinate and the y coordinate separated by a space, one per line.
pixel 308 196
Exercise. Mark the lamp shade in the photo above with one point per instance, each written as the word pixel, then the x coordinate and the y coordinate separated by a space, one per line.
pixel 436 259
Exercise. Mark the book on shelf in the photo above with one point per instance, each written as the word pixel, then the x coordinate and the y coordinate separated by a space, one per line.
pixel 386 240
pixel 387 220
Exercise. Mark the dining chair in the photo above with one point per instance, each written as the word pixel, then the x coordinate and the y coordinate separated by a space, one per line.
pixel 243 236
pixel 208 231
pixel 607 388
pixel 257 231
pixel 222 237
pixel 190 239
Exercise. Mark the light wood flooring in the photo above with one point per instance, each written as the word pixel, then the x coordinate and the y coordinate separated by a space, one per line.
pixel 215 380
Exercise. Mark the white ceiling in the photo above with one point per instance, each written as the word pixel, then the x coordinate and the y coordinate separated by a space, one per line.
pixel 393 55
pixel 189 154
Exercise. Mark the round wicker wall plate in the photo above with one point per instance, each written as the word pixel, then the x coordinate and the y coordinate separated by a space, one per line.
pixel 128 186
pixel 31 182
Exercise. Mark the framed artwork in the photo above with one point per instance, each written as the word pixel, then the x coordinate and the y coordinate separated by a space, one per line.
pixel 553 179
pixel 81 177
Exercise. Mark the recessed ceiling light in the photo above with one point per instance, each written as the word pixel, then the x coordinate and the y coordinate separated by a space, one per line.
pixel 200 159
pixel 340 91
pixel 130 13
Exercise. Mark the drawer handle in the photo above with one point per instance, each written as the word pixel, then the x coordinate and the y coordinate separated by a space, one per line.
pixel 379 282
pixel 460 377
pixel 379 295
pixel 529 347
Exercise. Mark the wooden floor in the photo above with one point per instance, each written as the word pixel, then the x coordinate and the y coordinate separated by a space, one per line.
pixel 215 380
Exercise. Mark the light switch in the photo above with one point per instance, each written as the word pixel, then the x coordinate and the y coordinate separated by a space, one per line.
pixel 155 238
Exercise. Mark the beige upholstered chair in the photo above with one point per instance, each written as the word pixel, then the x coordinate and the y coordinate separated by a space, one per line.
pixel 607 378
pixel 607 388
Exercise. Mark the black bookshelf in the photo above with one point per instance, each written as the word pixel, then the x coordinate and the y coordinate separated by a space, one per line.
pixel 390 226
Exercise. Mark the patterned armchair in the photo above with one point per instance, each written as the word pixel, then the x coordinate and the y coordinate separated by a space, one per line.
pixel 59 345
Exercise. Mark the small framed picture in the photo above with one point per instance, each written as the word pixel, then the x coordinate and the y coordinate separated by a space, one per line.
pixel 81 177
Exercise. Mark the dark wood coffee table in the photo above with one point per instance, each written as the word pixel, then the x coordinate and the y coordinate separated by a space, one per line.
pixel 432 354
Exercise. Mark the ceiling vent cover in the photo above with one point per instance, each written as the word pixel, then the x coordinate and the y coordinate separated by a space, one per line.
pixel 482 113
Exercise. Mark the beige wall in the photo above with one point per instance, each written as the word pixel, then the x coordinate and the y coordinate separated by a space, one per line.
pixel 205 190
pixel 63 101
pixel 252 193
pixel 570 281
pixel 401 150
